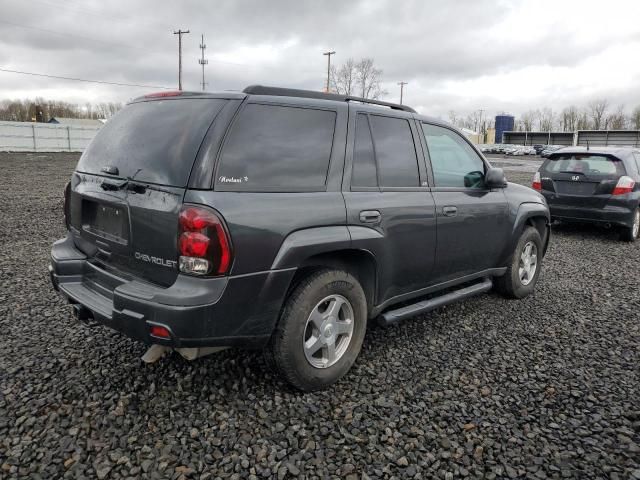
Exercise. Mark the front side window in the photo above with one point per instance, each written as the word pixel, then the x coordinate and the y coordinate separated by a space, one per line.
pixel 277 148
pixel 454 162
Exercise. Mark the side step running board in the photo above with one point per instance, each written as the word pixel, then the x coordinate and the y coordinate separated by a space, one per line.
pixel 393 316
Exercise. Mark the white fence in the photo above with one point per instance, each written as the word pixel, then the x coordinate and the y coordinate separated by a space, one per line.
pixel 44 137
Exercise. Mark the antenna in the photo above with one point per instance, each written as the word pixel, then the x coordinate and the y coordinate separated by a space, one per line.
pixel 203 61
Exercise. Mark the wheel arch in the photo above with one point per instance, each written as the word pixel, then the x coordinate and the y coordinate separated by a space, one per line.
pixel 359 263
pixel 531 214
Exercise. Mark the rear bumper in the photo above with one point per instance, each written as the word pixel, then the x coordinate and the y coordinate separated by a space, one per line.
pixel 615 215
pixel 226 311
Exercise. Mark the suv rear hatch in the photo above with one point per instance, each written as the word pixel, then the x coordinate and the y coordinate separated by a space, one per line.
pixel 128 187
pixel 581 180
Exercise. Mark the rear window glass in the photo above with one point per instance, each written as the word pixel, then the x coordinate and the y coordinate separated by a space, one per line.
pixel 276 148
pixel 589 165
pixel 155 141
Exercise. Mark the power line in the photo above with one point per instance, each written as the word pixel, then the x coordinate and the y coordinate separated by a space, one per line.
pixel 105 42
pixel 70 35
pixel 60 77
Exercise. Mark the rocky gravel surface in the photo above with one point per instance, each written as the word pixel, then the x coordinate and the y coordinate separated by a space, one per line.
pixel 546 387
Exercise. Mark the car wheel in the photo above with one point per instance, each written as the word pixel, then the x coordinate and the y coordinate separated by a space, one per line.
pixel 522 273
pixel 320 331
pixel 630 234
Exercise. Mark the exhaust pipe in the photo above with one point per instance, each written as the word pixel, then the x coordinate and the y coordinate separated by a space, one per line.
pixel 155 352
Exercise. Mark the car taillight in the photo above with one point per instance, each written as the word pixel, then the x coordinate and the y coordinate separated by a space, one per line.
pixel 66 210
pixel 537 184
pixel 204 247
pixel 625 185
pixel 172 93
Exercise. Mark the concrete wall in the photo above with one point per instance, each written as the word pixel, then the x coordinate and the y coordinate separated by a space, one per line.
pixel 44 137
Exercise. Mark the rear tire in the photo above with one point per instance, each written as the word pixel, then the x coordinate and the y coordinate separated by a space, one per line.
pixel 320 331
pixel 630 234
pixel 520 278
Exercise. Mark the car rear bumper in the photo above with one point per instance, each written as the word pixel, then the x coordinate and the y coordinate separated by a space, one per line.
pixel 613 214
pixel 225 311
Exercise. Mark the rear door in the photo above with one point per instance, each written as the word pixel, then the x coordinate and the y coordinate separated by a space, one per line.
pixel 129 184
pixel 580 180
pixel 386 191
pixel 473 223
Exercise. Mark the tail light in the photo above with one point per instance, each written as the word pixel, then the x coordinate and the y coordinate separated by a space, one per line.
pixel 537 183
pixel 204 247
pixel 66 208
pixel 172 93
pixel 625 185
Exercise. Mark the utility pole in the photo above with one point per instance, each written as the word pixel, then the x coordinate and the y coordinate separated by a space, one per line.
pixel 203 61
pixel 402 84
pixel 478 120
pixel 180 33
pixel 328 54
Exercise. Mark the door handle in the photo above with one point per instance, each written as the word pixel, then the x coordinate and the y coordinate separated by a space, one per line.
pixel 449 211
pixel 370 216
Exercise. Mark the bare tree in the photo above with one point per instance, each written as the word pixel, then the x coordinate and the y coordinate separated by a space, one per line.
pixel 582 123
pixel 343 79
pixel 358 78
pixel 25 110
pixel 635 118
pixel 453 119
pixel 545 119
pixel 616 120
pixel 369 79
pixel 528 119
pixel 569 118
pixel 598 109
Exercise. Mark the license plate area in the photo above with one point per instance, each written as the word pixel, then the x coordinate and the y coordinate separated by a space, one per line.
pixel 575 188
pixel 105 221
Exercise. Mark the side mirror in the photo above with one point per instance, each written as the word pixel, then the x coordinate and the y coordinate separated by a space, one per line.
pixel 494 178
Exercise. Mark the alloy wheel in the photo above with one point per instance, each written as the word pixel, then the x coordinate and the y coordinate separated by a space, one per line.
pixel 528 263
pixel 328 331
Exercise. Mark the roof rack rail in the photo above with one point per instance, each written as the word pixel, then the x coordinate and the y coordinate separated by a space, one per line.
pixel 294 92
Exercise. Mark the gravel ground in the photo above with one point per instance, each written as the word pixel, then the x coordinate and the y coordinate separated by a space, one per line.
pixel 544 387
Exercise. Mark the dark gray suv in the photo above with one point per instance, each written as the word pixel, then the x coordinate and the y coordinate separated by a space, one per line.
pixel 286 220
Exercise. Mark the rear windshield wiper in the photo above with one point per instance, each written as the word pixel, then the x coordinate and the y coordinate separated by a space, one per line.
pixel 107 185
pixel 132 185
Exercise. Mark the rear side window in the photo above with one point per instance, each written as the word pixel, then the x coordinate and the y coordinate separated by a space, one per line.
pixel 395 152
pixel 155 141
pixel 454 162
pixel 364 162
pixel 276 148
pixel 588 165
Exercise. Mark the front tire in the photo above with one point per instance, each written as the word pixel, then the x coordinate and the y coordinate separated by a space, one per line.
pixel 630 234
pixel 524 269
pixel 320 331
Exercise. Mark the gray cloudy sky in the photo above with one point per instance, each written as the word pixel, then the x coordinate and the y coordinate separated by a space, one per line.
pixel 456 55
